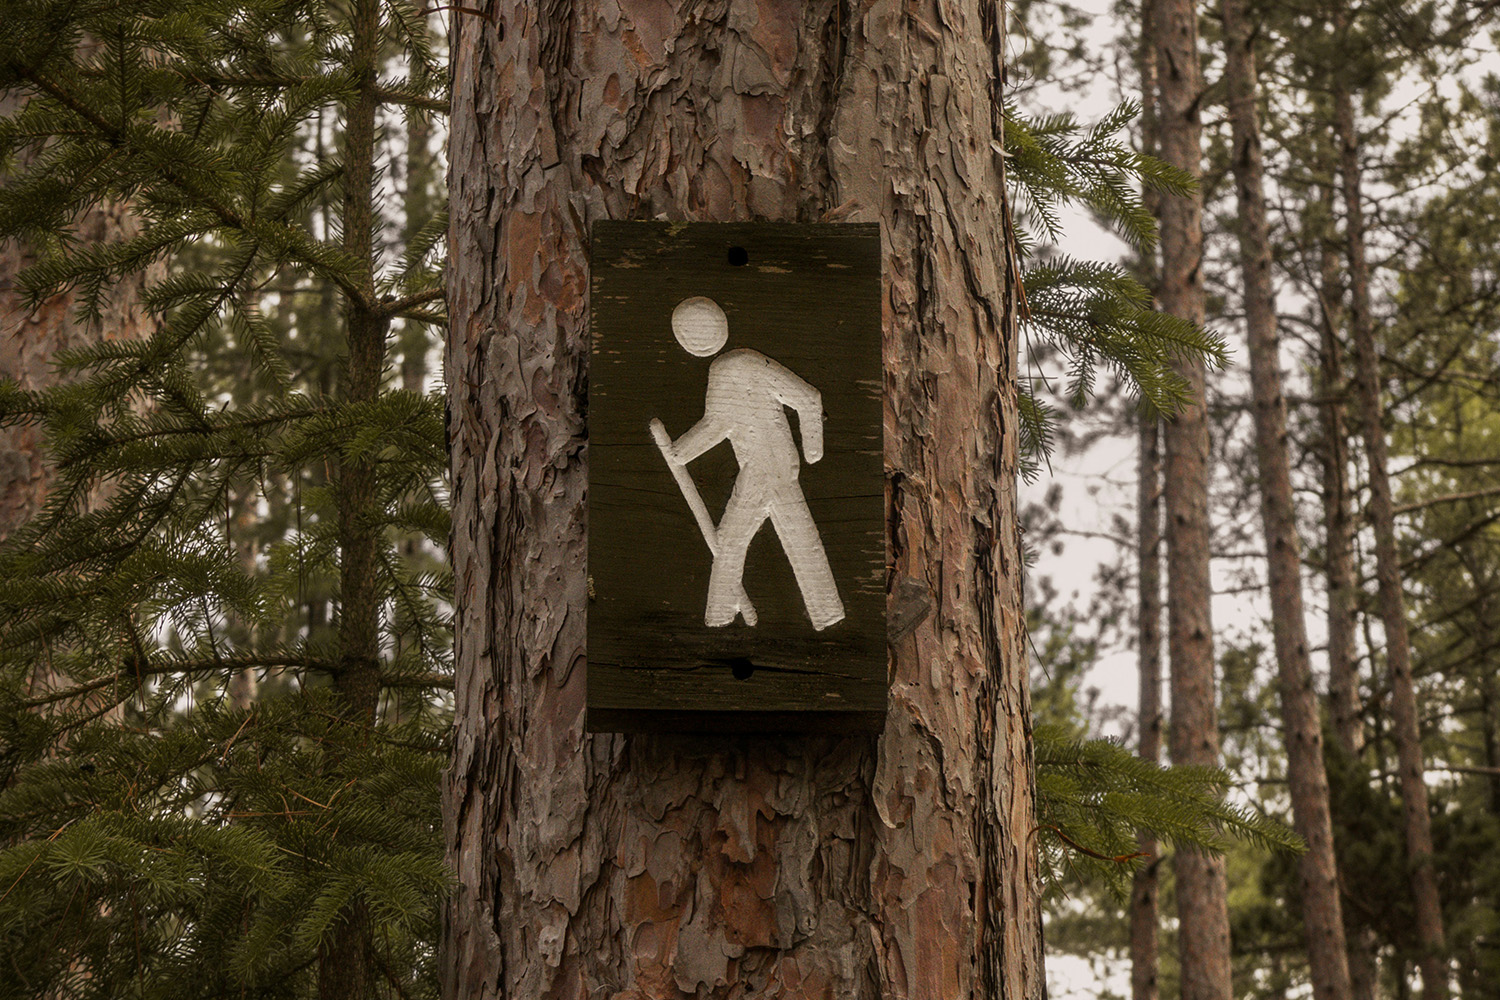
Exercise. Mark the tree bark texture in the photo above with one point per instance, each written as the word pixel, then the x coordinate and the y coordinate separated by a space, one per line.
pixel 1405 728
pixel 671 867
pixel 1307 779
pixel 1202 913
pixel 1144 888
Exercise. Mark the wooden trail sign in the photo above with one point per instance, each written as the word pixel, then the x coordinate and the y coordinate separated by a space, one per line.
pixel 736 479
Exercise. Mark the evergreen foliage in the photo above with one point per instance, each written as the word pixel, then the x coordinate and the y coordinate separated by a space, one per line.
pixel 1093 313
pixel 213 483
pixel 1093 796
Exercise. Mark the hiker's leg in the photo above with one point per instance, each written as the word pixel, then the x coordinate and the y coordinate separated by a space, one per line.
pixel 804 550
pixel 742 518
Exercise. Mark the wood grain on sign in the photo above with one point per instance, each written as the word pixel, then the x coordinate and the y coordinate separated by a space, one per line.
pixel 802 303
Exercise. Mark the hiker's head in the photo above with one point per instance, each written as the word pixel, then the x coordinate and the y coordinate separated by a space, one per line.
pixel 700 326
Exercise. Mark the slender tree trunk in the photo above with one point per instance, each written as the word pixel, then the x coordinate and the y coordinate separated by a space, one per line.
pixel 1145 915
pixel 244 684
pixel 1202 913
pixel 1378 739
pixel 345 963
pixel 1307 780
pixel 1144 918
pixel 419 203
pixel 1343 673
pixel 1490 700
pixel 1345 708
pixel 660 867
pixel 414 341
pixel 1404 724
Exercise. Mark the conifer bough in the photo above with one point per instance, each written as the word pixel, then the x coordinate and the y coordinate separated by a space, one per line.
pixel 236 491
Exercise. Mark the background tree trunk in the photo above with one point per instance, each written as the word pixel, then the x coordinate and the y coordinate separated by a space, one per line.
pixel 31 337
pixel 1145 911
pixel 1343 673
pixel 1344 704
pixel 1307 780
pixel 1203 918
pixel 346 969
pixel 1144 888
pixel 420 200
pixel 1404 725
pixel 661 867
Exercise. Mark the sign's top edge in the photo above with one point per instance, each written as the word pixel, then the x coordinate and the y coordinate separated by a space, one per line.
pixel 599 224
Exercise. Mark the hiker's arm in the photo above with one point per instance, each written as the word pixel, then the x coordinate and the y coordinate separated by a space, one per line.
pixel 807 401
pixel 702 436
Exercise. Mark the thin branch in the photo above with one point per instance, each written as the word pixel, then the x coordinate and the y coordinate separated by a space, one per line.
pixel 444 681
pixel 1406 508
pixel 410 302
pixel 189 667
pixel 424 316
pixel 411 100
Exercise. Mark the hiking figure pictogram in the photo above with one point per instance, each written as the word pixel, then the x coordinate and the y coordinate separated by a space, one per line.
pixel 748 394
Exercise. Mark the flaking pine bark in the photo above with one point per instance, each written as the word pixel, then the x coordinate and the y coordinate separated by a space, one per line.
pixel 1307 780
pixel 660 867
pixel 1202 910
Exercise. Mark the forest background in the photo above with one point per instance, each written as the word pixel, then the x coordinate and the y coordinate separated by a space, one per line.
pixel 1427 148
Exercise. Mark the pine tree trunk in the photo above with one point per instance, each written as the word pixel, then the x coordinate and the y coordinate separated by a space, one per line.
pixel 31 337
pixel 345 963
pixel 660 867
pixel 1343 673
pixel 1404 725
pixel 1307 780
pixel 419 204
pixel 1344 706
pixel 1202 913
pixel 1144 917
pixel 1490 704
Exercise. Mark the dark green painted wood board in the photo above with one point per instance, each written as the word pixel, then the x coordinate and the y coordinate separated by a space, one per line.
pixel 802 300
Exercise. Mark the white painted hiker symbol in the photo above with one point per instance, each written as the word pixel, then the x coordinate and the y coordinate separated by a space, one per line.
pixel 747 396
